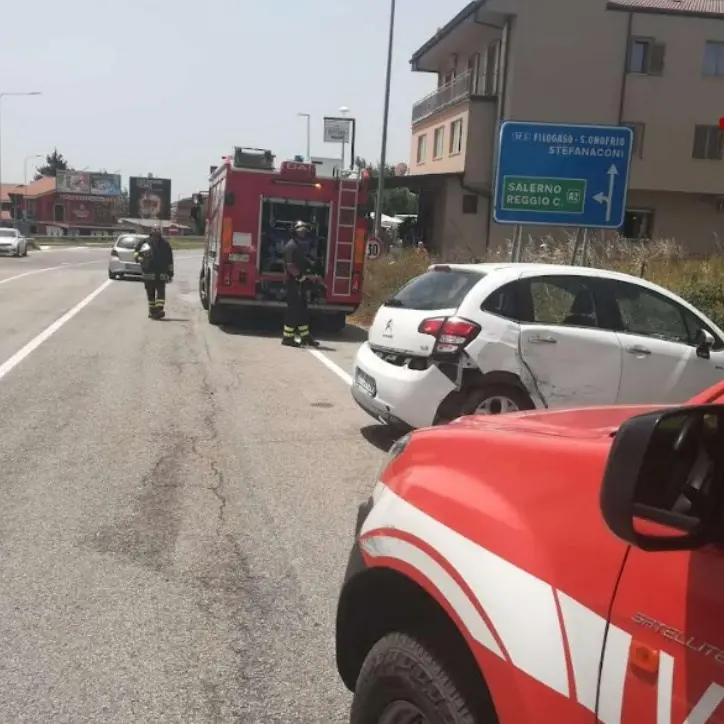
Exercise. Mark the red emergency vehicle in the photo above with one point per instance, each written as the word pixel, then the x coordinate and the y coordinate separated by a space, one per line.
pixel 545 566
pixel 252 207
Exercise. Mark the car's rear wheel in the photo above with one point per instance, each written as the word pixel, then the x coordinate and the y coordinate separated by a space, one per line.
pixel 25 249
pixel 111 275
pixel 496 399
pixel 405 680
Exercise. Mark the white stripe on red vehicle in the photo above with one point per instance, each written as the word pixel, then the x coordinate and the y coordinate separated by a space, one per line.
pixel 522 612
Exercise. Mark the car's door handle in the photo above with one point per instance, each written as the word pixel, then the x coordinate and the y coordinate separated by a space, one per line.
pixel 637 349
pixel 543 340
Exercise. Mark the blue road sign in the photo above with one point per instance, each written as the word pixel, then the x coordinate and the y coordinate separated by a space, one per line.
pixel 556 174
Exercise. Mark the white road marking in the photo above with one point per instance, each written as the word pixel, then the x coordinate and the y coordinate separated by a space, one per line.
pixel 346 378
pixel 48 332
pixel 64 265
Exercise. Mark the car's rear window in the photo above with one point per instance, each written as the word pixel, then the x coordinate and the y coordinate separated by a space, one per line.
pixel 127 242
pixel 9 233
pixel 436 289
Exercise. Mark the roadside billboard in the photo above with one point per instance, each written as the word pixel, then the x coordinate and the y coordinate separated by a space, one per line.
pixel 92 184
pixel 149 198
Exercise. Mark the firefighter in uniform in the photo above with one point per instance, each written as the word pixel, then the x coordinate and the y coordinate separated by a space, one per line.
pixel 156 258
pixel 296 268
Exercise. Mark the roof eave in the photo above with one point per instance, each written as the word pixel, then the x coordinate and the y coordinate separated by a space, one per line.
pixel 470 9
pixel 620 7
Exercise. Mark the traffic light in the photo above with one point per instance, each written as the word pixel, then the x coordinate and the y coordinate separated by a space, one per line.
pixel 721 123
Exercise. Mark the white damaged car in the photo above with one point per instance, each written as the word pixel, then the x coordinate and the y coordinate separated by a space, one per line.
pixel 493 338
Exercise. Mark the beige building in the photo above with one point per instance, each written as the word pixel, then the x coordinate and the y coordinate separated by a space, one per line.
pixel 655 65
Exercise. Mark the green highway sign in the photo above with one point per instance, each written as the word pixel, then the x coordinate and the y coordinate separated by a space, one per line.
pixel 543 195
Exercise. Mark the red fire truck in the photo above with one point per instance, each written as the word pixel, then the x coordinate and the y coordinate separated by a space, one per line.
pixel 251 210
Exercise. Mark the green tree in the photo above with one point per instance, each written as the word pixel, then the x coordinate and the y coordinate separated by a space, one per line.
pixel 54 162
pixel 394 201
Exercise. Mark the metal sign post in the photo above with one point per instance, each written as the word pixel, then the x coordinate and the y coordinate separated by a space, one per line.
pixel 554 174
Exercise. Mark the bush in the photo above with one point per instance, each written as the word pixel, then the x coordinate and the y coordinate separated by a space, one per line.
pixel 700 282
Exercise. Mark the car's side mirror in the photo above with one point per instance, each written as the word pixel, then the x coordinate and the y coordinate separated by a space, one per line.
pixel 662 488
pixel 704 343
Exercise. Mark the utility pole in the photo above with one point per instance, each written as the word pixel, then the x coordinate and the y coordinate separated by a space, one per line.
pixel 385 119
pixel 309 134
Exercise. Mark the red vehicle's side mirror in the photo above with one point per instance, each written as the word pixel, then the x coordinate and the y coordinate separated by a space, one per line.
pixel 663 486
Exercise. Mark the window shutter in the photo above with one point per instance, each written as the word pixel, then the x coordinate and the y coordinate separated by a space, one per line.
pixel 701 134
pixel 656 66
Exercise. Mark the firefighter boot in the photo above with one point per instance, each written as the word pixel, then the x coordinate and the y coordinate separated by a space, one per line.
pixel 160 308
pixel 151 310
pixel 288 339
pixel 306 338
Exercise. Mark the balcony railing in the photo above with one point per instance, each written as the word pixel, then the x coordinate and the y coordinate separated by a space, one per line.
pixel 456 90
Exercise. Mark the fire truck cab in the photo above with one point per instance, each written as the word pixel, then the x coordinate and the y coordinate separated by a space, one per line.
pixel 252 208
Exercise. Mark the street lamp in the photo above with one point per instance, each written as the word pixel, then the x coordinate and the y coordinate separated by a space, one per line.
pixel 308 116
pixel 385 118
pixel 344 111
pixel 25 166
pixel 3 95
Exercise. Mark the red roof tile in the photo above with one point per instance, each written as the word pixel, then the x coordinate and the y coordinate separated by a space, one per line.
pixel 714 8
pixel 34 188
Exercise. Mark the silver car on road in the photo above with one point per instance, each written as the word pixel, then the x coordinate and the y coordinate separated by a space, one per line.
pixel 13 243
pixel 121 263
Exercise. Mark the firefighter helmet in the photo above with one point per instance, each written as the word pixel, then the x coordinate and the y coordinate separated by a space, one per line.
pixel 301 225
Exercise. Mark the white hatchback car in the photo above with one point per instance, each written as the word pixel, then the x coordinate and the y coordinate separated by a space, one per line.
pixel 122 262
pixel 492 338
pixel 13 243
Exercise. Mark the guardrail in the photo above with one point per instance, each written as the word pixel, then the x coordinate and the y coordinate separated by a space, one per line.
pixel 37 241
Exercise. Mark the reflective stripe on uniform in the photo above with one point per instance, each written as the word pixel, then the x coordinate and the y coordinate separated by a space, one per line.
pixel 304 330
pixel 288 331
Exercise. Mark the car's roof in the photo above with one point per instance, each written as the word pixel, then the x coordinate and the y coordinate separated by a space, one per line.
pixel 513 268
pixel 542 268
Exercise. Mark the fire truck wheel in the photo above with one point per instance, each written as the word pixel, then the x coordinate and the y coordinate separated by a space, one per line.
pixel 217 314
pixel 203 291
pixel 404 681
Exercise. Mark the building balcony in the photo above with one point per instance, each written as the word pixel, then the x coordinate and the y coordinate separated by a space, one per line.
pixel 458 89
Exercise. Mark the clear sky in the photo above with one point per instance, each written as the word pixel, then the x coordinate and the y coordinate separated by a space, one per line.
pixel 168 86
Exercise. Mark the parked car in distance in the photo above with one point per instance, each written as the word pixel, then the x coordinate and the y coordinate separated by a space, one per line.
pixel 121 262
pixel 466 339
pixel 13 243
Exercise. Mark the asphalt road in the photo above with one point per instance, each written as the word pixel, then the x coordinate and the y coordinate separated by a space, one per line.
pixel 176 505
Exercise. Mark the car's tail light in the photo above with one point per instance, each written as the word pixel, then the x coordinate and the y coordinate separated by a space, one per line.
pixel 114 252
pixel 452 333
pixel 356 282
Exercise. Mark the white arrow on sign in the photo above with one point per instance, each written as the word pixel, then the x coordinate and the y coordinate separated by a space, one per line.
pixel 608 200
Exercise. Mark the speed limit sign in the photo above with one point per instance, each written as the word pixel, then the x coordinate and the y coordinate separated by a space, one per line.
pixel 374 248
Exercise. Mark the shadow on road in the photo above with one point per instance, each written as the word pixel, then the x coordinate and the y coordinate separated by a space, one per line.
pixel 270 324
pixel 381 436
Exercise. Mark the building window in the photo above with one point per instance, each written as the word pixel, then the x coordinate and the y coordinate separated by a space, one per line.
pixel 707 143
pixel 439 144
pixel 491 72
pixel 714 59
pixel 474 71
pixel 58 212
pixel 637 150
pixel 646 56
pixel 456 136
pixel 638 223
pixel 421 148
pixel 470 203
pixel 31 209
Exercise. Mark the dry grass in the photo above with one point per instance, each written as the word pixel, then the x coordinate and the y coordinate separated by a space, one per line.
pixel 700 281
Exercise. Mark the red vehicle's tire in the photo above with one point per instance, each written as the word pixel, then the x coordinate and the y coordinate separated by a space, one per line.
pixel 403 679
